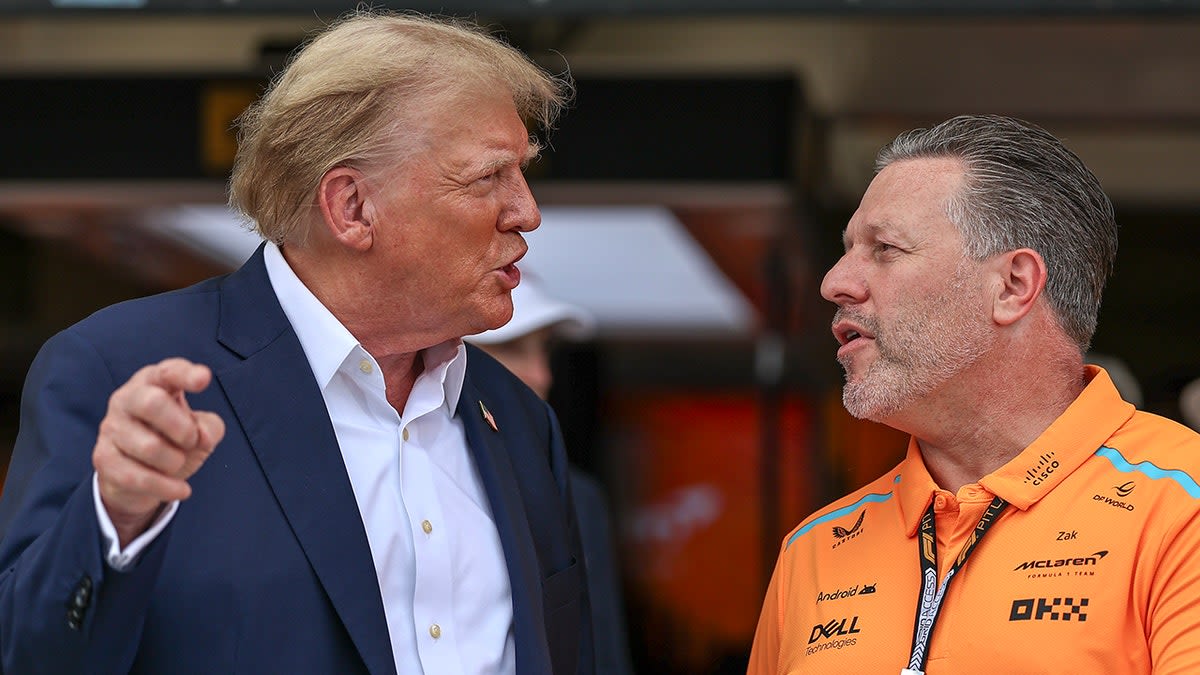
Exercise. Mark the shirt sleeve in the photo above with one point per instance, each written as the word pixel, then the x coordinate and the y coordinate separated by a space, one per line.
pixel 1173 613
pixel 122 559
pixel 764 654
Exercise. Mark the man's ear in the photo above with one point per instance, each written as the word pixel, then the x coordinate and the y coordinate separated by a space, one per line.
pixel 345 207
pixel 1022 278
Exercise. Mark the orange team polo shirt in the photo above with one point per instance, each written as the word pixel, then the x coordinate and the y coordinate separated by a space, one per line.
pixel 1093 567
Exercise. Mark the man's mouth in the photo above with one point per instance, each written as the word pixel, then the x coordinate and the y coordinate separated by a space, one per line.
pixel 846 332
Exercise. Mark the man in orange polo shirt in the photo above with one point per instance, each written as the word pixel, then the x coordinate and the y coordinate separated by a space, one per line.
pixel 1039 523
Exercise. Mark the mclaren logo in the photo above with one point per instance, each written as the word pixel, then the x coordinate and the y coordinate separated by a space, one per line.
pixel 1057 567
pixel 843 535
pixel 1093 559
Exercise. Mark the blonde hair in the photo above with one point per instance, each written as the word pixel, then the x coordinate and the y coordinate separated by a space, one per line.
pixel 356 94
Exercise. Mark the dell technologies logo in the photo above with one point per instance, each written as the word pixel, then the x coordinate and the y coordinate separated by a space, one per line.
pixel 835 634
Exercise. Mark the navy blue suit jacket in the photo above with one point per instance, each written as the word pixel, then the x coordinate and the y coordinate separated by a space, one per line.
pixel 610 637
pixel 266 568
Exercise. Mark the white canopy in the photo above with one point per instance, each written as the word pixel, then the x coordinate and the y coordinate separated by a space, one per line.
pixel 635 268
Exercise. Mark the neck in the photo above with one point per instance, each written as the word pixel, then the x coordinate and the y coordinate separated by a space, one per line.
pixel 400 372
pixel 338 284
pixel 968 432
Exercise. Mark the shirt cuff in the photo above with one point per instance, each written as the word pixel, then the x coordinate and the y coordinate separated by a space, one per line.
pixel 122 560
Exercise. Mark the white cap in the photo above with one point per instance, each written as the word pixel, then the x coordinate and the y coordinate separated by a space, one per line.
pixel 1189 404
pixel 533 309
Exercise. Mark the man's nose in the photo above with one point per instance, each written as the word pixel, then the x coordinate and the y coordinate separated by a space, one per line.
pixel 843 283
pixel 521 213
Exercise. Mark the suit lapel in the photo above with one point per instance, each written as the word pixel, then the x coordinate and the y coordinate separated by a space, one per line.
pixel 280 408
pixel 499 479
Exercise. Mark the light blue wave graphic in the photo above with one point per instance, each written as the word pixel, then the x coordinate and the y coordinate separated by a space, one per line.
pixel 1184 480
pixel 845 510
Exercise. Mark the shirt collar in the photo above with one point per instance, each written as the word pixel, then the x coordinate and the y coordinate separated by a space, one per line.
pixel 447 362
pixel 327 343
pixel 1066 444
pixel 1087 423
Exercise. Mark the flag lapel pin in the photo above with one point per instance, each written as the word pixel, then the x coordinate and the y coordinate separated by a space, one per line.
pixel 487 416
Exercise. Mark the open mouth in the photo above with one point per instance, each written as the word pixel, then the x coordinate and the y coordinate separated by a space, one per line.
pixel 846 333
pixel 511 274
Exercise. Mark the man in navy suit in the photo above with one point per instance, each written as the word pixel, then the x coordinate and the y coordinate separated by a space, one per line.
pixel 523 345
pixel 300 467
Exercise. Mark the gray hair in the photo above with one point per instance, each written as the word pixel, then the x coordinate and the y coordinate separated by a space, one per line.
pixel 1024 189
pixel 360 92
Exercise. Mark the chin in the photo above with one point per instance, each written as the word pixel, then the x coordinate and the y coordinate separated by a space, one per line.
pixel 494 317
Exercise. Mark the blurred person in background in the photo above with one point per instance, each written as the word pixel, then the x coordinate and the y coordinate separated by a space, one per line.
pixel 524 346
pixel 1189 404
pixel 300 467
pixel 1039 523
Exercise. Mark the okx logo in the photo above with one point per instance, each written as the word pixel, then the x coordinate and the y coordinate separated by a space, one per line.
pixel 1048 609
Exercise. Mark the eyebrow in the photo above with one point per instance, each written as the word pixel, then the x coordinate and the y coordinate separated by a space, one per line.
pixel 873 229
pixel 532 150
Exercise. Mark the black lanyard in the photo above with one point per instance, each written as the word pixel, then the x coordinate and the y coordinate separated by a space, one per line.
pixel 929 603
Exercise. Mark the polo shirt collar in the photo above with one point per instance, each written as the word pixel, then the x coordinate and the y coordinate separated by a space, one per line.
pixel 1084 426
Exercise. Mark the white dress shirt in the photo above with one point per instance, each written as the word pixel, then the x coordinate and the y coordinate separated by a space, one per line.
pixel 437 554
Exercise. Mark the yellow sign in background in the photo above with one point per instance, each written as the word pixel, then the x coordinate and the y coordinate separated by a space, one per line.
pixel 220 105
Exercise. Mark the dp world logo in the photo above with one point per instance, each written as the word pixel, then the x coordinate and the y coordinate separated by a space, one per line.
pixel 1122 491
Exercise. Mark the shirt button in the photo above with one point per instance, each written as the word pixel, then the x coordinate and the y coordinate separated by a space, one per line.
pixel 404 433
pixel 939 502
pixel 435 631
pixel 365 366
pixel 426 526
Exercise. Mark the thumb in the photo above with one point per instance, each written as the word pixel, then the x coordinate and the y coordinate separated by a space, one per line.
pixel 210 430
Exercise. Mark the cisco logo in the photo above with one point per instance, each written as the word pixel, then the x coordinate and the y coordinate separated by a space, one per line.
pixel 1037 474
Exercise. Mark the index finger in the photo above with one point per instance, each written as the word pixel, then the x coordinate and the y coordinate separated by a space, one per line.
pixel 176 375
